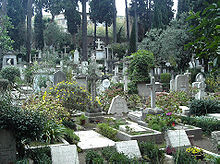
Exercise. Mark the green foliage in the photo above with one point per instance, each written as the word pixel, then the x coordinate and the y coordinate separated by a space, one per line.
pixel 120 49
pixel 71 96
pixel 3 84
pixel 165 77
pixel 194 72
pixel 151 152
pixel 107 131
pixel 140 64
pixel 203 107
pixel 39 155
pixel 93 157
pixel 182 157
pixel 5 40
pixel 132 41
pixel 205 43
pixel 170 102
pixel 212 83
pixel 20 122
pixel 119 158
pixel 70 136
pixel 10 73
pixel 207 124
pixel 107 152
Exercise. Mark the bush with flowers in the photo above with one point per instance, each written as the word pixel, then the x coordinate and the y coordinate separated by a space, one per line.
pixel 195 152
pixel 70 95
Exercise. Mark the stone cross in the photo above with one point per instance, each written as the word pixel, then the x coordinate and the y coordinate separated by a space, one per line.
pixel 93 77
pixel 153 91
pixel 99 42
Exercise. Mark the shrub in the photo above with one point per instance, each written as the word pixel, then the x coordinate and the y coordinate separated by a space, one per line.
pixel 212 83
pixel 119 158
pixel 93 157
pixel 10 73
pixel 183 157
pixel 140 64
pixel 207 124
pixel 107 152
pixel 165 77
pixel 3 84
pixel 151 152
pixel 49 106
pixel 71 96
pixel 202 107
pixel 107 131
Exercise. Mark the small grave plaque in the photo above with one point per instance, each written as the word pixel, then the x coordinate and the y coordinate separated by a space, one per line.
pixel 129 148
pixel 64 154
pixel 118 106
pixel 177 138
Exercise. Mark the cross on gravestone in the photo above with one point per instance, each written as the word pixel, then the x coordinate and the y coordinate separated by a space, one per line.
pixel 153 91
pixel 99 42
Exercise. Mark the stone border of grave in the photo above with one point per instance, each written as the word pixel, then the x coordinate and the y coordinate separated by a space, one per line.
pixel 155 136
pixel 64 143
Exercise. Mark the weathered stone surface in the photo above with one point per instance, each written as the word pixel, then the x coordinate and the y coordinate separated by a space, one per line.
pixel 93 140
pixel 129 148
pixel 118 106
pixel 7 147
pixel 64 154
pixel 59 77
pixel 177 138
pixel 182 83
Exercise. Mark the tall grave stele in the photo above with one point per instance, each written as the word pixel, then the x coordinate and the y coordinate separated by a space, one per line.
pixel 200 85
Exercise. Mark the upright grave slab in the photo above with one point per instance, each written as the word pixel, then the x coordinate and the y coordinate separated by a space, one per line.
pixel 181 83
pixel 7 147
pixel 64 154
pixel 59 77
pixel 129 148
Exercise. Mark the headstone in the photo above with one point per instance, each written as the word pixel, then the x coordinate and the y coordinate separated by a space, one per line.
pixel 59 77
pixel 129 148
pixel 118 106
pixel 76 57
pixel 92 140
pixel 200 85
pixel 84 67
pixel 7 147
pixel 215 138
pixel 172 84
pixel 177 138
pixel 81 81
pixel 9 60
pixel 106 83
pixel 64 154
pixel 99 42
pixel 182 83
pixel 153 92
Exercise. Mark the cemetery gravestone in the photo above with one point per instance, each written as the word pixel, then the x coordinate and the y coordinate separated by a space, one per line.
pixel 64 154
pixel 76 57
pixel 177 138
pixel 105 84
pixel 200 85
pixel 9 60
pixel 82 82
pixel 118 106
pixel 59 77
pixel 181 83
pixel 7 147
pixel 129 148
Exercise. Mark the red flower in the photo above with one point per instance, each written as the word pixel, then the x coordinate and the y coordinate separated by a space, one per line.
pixel 173 124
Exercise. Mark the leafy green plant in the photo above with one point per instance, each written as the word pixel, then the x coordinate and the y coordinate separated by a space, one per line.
pixel 165 77
pixel 151 152
pixel 10 73
pixel 107 131
pixel 182 157
pixel 202 107
pixel 70 136
pixel 82 119
pixel 207 124
pixel 212 83
pixel 3 84
pixel 119 158
pixel 107 152
pixel 140 64
pixel 93 157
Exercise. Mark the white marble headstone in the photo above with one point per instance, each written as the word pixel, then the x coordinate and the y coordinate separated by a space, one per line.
pixel 118 106
pixel 64 154
pixel 177 138
pixel 129 148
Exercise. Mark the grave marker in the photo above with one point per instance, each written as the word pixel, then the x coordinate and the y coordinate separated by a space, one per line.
pixel 177 138
pixel 64 154
pixel 59 77
pixel 118 106
pixel 129 148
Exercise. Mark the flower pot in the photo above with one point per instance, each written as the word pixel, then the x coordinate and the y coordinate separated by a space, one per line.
pixel 82 122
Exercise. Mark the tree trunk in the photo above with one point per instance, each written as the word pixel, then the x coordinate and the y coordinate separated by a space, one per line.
pixel 127 20
pixel 114 23
pixel 28 41
pixel 106 33
pixel 135 21
pixel 84 32
pixel 95 29
pixel 4 7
